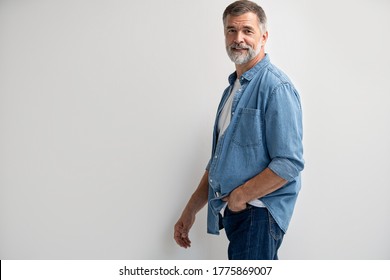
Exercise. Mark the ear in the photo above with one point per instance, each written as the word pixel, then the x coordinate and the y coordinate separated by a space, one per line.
pixel 264 38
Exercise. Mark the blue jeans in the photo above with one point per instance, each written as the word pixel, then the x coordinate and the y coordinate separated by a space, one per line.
pixel 253 234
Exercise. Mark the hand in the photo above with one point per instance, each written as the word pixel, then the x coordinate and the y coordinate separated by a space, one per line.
pixel 182 228
pixel 235 200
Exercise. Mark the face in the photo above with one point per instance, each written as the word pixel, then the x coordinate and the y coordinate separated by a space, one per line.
pixel 243 38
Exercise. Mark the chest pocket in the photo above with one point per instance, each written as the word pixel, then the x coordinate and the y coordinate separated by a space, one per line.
pixel 247 130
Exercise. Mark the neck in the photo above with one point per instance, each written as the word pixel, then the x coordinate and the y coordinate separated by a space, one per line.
pixel 242 68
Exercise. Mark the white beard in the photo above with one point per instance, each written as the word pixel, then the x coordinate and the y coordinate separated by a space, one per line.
pixel 242 58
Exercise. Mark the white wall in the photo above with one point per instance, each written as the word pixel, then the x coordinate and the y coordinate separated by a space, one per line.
pixel 106 113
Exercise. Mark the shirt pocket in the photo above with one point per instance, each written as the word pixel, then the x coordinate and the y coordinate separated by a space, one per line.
pixel 247 129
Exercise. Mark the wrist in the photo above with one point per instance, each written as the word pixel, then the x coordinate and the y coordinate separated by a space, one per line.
pixel 245 192
pixel 241 196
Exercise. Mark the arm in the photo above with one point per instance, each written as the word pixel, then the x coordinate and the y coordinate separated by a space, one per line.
pixel 283 122
pixel 197 201
pixel 262 184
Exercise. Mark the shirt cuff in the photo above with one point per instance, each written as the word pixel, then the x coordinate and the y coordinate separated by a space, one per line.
pixel 284 168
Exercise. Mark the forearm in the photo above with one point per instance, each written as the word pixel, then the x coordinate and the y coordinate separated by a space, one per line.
pixel 262 184
pixel 199 198
pixel 187 218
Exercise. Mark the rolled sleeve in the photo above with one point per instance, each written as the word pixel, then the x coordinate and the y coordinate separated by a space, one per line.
pixel 284 135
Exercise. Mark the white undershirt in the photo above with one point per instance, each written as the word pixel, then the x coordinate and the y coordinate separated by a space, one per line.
pixel 224 121
pixel 225 117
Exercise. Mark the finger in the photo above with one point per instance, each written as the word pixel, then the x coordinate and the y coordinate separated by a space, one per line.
pixel 236 208
pixel 181 237
pixel 183 242
pixel 185 239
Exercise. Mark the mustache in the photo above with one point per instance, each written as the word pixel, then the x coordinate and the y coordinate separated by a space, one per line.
pixel 240 46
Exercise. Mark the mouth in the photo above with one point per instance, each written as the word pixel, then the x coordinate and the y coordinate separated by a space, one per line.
pixel 235 49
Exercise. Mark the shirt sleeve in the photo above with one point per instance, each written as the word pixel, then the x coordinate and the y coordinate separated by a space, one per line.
pixel 283 121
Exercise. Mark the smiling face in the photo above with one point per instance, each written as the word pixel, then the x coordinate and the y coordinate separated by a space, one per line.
pixel 243 38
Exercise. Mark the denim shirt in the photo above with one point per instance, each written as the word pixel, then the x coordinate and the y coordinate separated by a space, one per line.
pixel 265 131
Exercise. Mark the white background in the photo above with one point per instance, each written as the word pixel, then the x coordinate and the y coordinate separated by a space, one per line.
pixel 106 114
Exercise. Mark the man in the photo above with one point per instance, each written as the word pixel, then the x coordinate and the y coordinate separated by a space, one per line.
pixel 254 170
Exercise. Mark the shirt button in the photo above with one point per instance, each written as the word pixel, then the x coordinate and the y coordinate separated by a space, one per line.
pixel 216 157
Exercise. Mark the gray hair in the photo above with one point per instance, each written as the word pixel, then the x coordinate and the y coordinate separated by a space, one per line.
pixel 241 7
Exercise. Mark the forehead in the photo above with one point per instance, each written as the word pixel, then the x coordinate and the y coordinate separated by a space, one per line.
pixel 247 19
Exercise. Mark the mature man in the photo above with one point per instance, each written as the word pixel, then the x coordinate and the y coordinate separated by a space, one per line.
pixel 257 149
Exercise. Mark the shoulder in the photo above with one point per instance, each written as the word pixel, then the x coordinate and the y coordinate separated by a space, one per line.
pixel 272 79
pixel 273 75
pixel 275 86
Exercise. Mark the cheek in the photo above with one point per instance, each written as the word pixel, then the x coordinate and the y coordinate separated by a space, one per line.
pixel 228 41
pixel 254 43
pixel 250 42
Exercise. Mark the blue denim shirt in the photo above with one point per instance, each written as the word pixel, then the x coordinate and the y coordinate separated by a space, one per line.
pixel 265 131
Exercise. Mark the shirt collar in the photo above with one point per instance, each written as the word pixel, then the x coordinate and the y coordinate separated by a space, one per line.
pixel 248 75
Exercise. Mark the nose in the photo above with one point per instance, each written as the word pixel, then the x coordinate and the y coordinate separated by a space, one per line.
pixel 239 38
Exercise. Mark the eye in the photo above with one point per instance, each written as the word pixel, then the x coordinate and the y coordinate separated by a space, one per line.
pixel 248 31
pixel 231 31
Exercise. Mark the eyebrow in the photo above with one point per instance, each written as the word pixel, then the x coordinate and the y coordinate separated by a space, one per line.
pixel 244 27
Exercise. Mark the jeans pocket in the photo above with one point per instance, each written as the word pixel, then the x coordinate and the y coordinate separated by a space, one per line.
pixel 228 210
pixel 274 228
pixel 237 222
